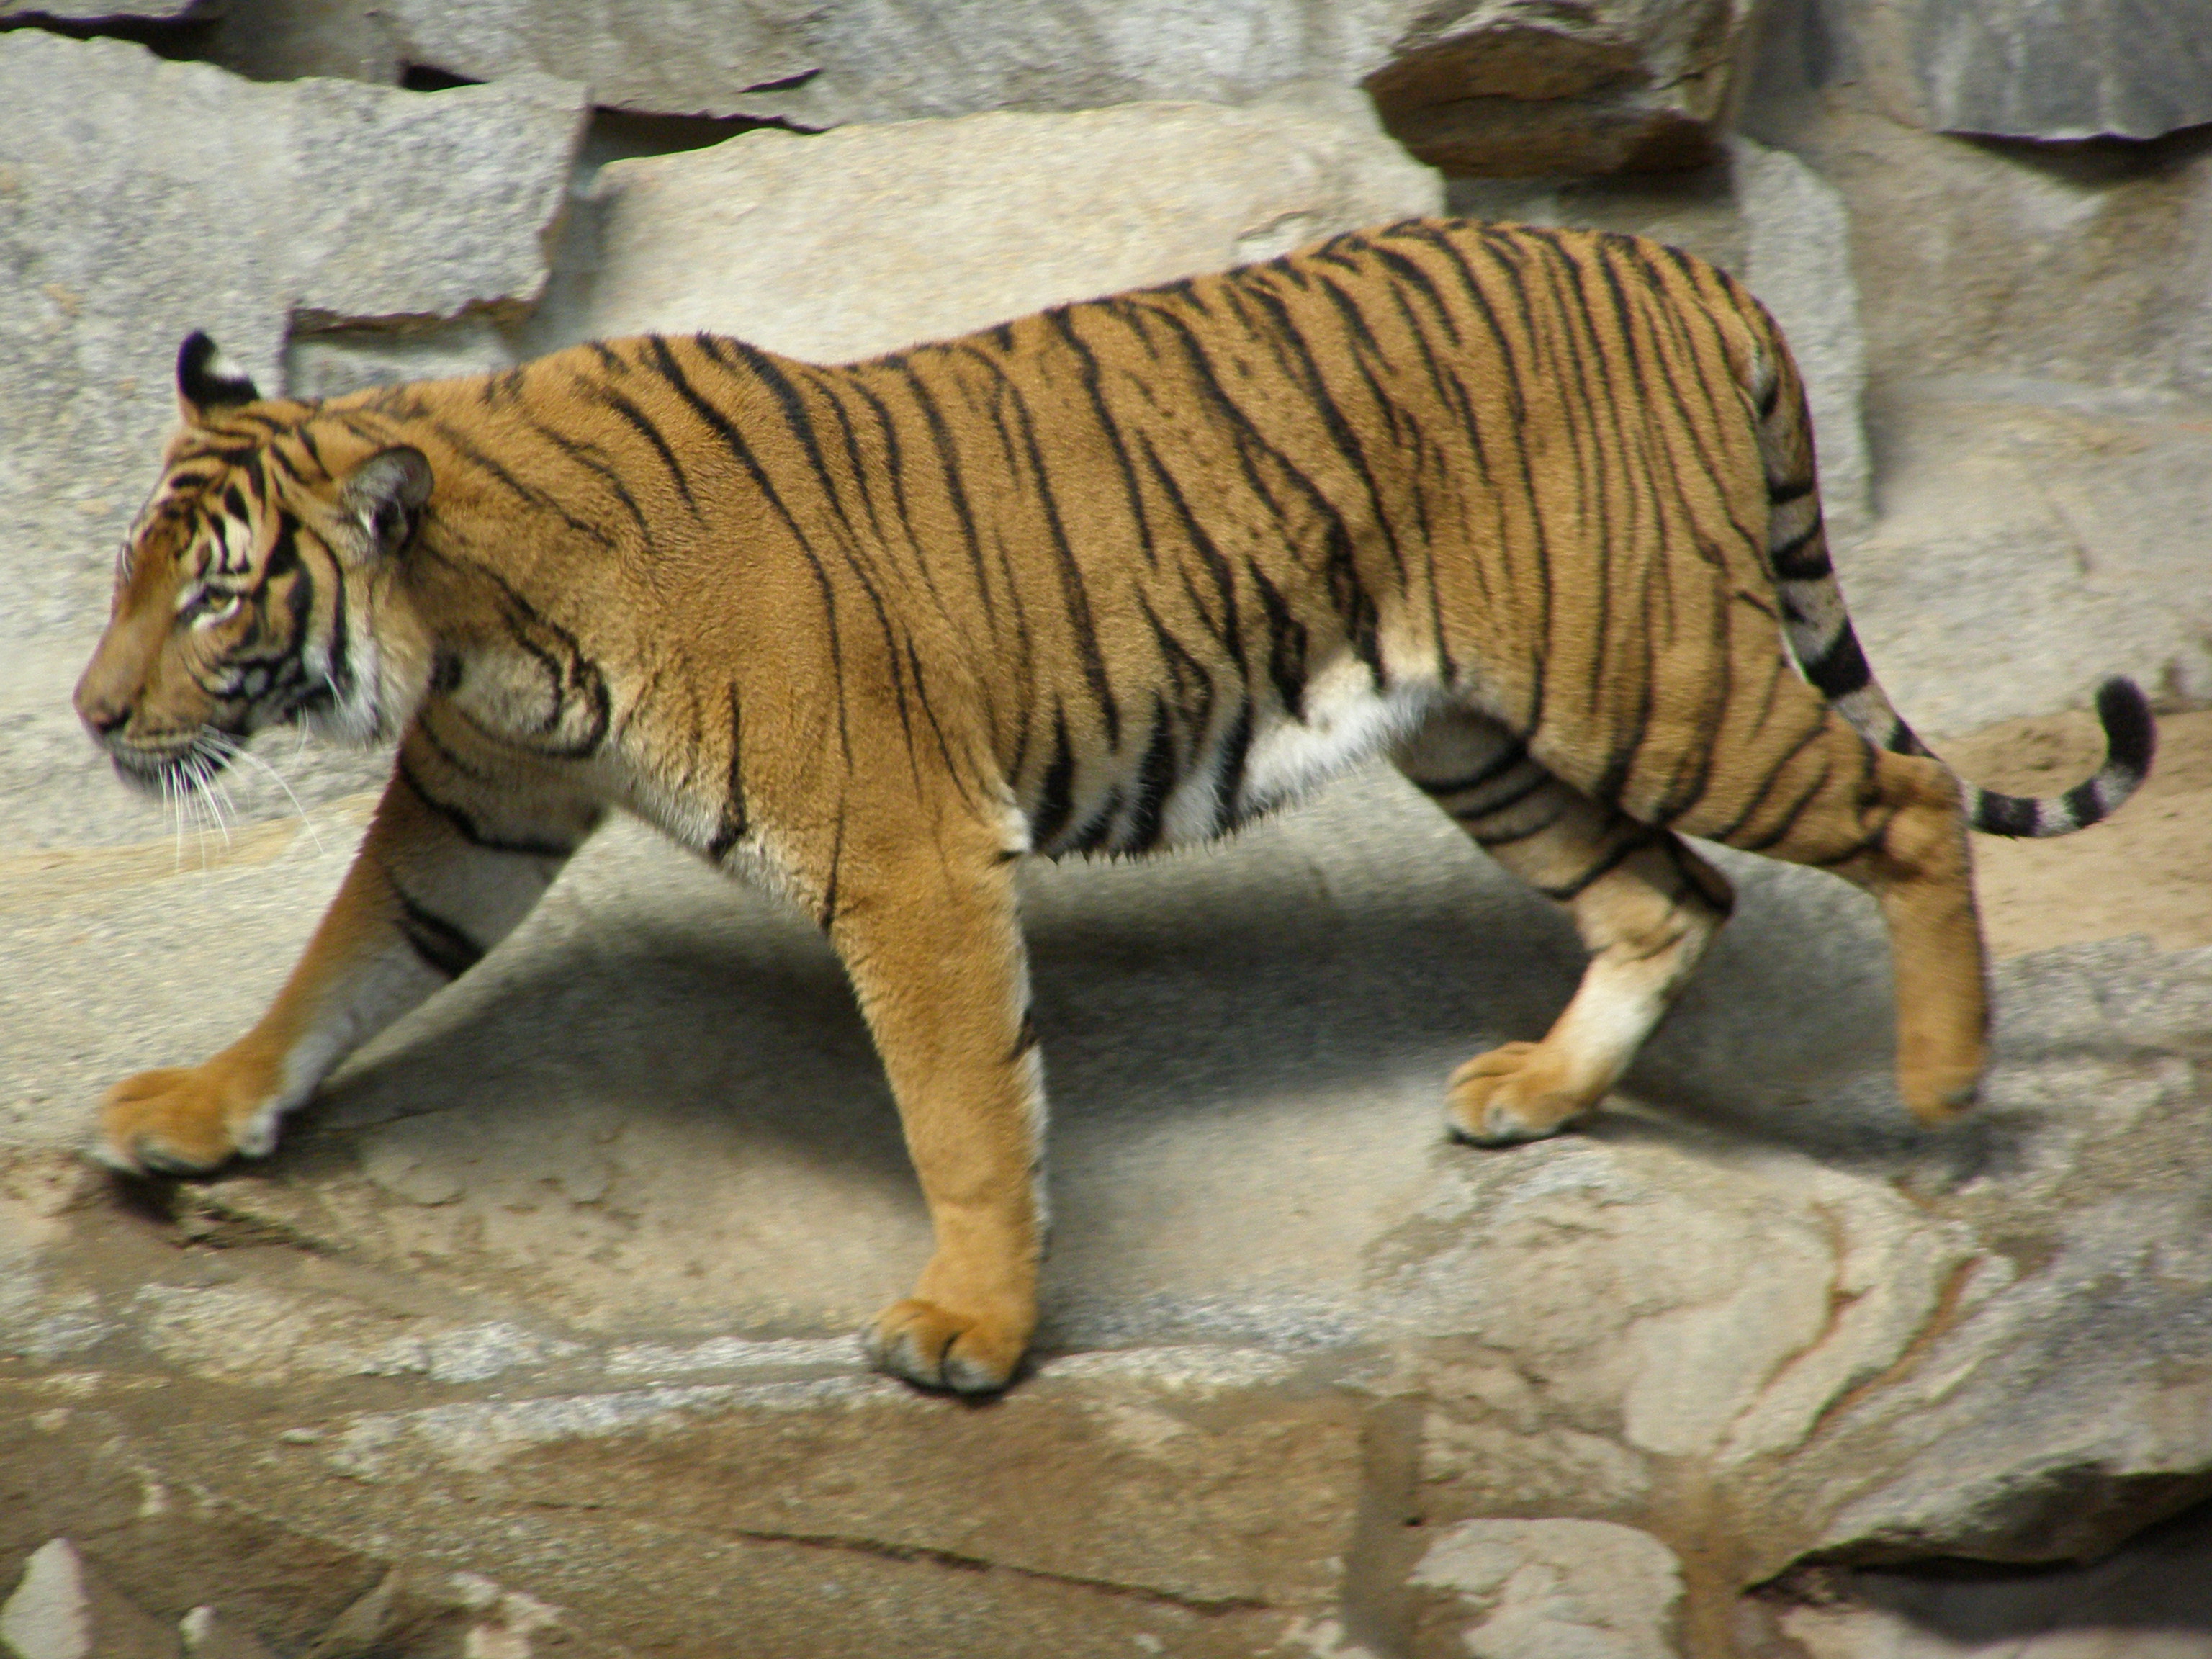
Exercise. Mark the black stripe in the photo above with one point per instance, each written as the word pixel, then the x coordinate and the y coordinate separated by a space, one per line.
pixel 1156 776
pixel 2006 814
pixel 442 946
pixel 1604 866
pixel 1505 803
pixel 471 831
pixel 1286 644
pixel 1841 669
pixel 536 497
pixel 581 452
pixel 1056 799
pixel 609 398
pixel 1073 592
pixel 1782 560
pixel 1491 769
pixel 1061 322
pixel 721 424
pixel 1094 833
pixel 1229 772
pixel 1507 838
pixel 732 829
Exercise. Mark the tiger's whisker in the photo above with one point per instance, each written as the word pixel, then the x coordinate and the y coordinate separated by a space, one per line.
pixel 237 750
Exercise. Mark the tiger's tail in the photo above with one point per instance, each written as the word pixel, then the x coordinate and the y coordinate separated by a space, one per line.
pixel 1827 649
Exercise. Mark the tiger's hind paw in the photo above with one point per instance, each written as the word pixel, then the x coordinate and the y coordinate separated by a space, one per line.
pixel 183 1120
pixel 1514 1093
pixel 938 1349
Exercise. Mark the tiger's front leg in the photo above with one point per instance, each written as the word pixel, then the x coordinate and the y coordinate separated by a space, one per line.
pixel 935 951
pixel 463 842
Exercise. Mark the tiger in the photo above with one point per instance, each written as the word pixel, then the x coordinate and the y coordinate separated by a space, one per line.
pixel 1530 512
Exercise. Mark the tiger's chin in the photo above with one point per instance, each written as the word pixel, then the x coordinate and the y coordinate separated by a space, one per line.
pixel 180 769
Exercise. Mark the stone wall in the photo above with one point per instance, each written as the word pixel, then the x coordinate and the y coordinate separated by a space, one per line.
pixel 531 1340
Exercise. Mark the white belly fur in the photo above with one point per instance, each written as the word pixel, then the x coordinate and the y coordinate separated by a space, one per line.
pixel 1346 721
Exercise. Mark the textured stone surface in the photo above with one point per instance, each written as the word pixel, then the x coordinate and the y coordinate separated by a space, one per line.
pixel 63 1607
pixel 140 200
pixel 98 11
pixel 2040 367
pixel 2152 1600
pixel 1519 87
pixel 490 1269
pixel 754 237
pixel 1484 86
pixel 2031 69
pixel 1547 1590
pixel 207 1635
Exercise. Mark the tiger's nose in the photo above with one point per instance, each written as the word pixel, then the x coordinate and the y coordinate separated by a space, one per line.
pixel 101 715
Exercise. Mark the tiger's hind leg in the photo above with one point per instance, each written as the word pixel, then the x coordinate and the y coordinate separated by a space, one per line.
pixel 1645 905
pixel 1806 788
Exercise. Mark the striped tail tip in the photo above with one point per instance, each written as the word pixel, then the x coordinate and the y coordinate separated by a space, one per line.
pixel 2131 744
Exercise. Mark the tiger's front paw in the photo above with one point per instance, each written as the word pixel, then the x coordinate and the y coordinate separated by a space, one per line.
pixel 939 1349
pixel 1514 1093
pixel 184 1121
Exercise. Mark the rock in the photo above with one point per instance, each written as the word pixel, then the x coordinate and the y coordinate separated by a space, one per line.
pixel 754 237
pixel 2083 69
pixel 1798 261
pixel 1494 86
pixel 63 1609
pixel 1720 1304
pixel 2040 374
pixel 1515 88
pixel 334 362
pixel 140 200
pixel 2080 268
pixel 99 11
pixel 1547 1590
pixel 208 1635
pixel 2154 1596
pixel 290 39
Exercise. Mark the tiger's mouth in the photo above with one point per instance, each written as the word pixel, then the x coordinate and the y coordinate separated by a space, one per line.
pixel 167 764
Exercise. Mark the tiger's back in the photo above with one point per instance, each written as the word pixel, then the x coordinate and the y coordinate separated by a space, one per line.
pixel 1532 512
pixel 1240 532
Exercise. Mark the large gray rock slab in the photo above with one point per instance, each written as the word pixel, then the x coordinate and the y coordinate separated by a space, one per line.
pixel 757 237
pixel 2085 265
pixel 2031 69
pixel 2039 361
pixel 1485 86
pixel 2084 68
pixel 140 200
pixel 599 1218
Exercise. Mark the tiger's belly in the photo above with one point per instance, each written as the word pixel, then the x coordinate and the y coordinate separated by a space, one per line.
pixel 1258 757
pixel 1346 720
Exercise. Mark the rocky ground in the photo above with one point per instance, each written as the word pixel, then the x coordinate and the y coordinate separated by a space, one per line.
pixel 533 1338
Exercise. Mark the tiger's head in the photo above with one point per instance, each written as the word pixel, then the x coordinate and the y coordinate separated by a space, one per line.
pixel 256 585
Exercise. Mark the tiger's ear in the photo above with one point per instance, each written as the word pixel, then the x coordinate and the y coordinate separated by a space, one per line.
pixel 383 497
pixel 208 381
